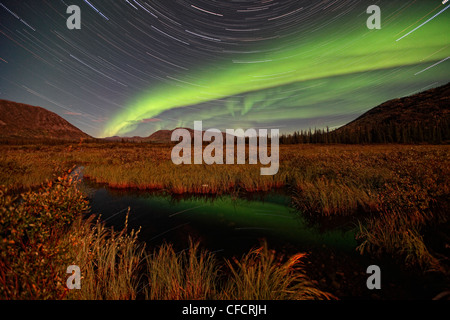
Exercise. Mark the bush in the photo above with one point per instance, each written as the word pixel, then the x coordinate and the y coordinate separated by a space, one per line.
pixel 32 256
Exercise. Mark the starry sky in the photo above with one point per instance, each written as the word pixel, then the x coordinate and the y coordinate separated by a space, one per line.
pixel 138 66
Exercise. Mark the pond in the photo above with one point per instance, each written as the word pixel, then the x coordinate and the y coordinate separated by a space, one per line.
pixel 225 224
pixel 231 225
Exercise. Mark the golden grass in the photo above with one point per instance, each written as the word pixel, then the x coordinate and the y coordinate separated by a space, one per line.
pixel 110 261
pixel 376 184
pixel 44 233
pixel 260 275
pixel 188 275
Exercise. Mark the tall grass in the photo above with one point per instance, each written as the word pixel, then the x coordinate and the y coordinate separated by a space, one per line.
pixel 406 210
pixel 25 167
pixel 260 275
pixel 110 261
pixel 375 184
pixel 323 197
pixel 197 275
pixel 389 234
pixel 43 232
pixel 188 275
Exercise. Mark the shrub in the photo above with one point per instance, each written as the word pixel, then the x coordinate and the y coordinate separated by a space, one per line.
pixel 32 257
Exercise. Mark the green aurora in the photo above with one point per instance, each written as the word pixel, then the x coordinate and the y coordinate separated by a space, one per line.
pixel 303 75
pixel 269 216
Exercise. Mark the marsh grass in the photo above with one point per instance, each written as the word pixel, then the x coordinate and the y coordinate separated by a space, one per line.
pixel 406 210
pixel 43 232
pixel 116 267
pixel 195 274
pixel 263 275
pixel 27 167
pixel 330 198
pixel 395 191
pixel 110 261
pixel 188 275
pixel 386 235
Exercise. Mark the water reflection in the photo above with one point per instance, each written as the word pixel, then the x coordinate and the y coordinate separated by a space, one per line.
pixel 227 224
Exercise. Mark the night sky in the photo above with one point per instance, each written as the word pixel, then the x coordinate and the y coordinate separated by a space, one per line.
pixel 137 66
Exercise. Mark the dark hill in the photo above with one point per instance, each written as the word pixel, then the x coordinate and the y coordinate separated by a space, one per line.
pixel 164 136
pixel 426 109
pixel 161 136
pixel 22 121
pixel 420 118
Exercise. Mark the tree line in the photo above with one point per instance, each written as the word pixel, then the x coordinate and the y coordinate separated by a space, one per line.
pixel 437 132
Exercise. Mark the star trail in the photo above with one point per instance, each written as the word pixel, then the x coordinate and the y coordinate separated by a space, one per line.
pixel 137 66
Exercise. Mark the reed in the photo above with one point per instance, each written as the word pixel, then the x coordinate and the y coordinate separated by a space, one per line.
pixel 327 198
pixel 387 235
pixel 110 261
pixel 261 275
pixel 374 184
pixel 43 232
pixel 406 209
pixel 188 275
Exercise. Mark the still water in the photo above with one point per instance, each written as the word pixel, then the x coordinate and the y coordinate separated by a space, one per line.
pixel 231 226
pixel 225 224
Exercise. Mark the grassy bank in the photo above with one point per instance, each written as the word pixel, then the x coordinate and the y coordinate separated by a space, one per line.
pixel 43 232
pixel 397 193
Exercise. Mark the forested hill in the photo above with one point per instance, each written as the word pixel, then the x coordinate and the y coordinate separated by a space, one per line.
pixel 423 117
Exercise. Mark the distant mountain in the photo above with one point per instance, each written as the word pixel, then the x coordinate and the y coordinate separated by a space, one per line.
pixel 124 139
pixel 22 121
pixel 161 136
pixel 165 136
pixel 425 109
